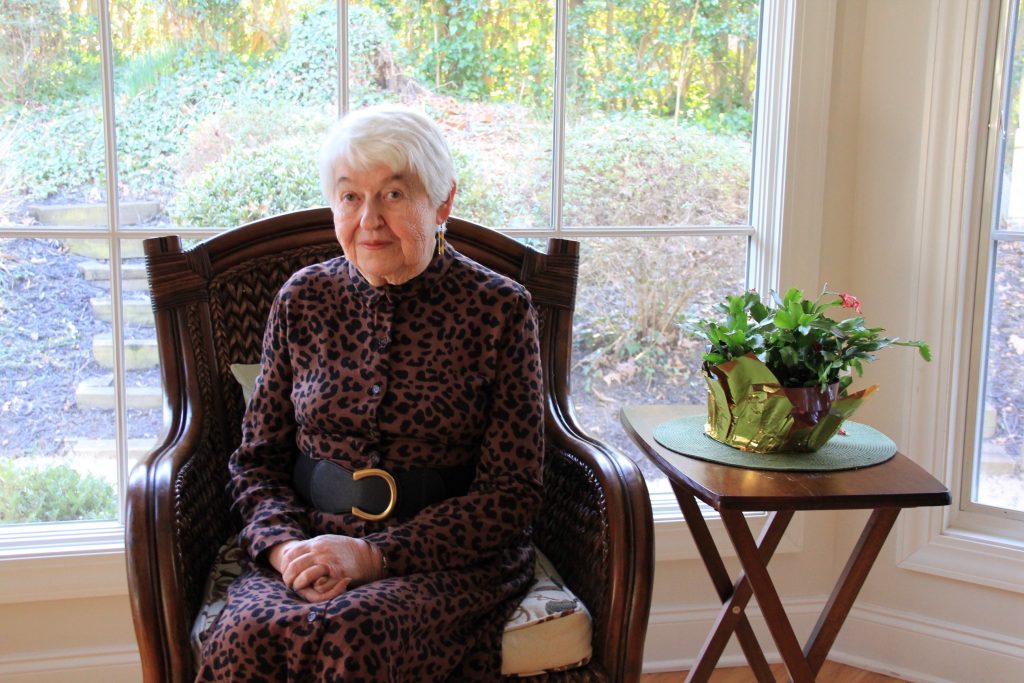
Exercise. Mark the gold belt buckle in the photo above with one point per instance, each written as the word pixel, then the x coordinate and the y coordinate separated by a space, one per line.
pixel 392 489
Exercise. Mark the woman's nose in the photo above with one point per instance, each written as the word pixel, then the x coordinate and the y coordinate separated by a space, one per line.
pixel 370 217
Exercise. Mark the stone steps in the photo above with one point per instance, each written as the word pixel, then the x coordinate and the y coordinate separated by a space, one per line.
pixel 133 275
pixel 97 393
pixel 107 448
pixel 139 354
pixel 136 310
pixel 97 249
pixel 83 215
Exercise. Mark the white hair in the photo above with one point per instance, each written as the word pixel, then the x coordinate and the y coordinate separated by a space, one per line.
pixel 398 137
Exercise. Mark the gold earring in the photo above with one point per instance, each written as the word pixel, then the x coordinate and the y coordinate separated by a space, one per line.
pixel 441 230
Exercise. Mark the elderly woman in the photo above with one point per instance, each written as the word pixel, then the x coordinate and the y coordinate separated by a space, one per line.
pixel 391 451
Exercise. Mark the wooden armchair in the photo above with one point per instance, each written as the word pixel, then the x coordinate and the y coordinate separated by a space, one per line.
pixel 211 304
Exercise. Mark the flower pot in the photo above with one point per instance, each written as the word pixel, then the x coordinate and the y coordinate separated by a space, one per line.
pixel 750 410
pixel 810 404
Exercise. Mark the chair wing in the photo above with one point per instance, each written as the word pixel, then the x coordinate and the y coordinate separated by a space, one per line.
pixel 211 304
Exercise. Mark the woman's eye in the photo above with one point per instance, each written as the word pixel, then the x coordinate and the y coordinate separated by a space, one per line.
pixel 393 194
pixel 348 197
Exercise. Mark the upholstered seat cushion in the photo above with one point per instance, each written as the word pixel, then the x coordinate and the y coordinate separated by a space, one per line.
pixel 549 631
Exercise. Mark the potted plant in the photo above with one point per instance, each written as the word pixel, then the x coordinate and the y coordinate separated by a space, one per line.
pixel 778 373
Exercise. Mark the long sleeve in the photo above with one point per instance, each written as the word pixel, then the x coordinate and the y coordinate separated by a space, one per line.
pixel 496 512
pixel 260 468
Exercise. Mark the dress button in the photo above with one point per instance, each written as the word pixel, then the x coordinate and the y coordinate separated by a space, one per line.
pixel 382 343
pixel 313 614
pixel 375 389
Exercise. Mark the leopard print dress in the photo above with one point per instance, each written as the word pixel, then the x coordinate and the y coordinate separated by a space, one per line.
pixel 441 371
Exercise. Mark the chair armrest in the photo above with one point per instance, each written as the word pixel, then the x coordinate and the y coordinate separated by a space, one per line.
pixel 177 512
pixel 180 495
pixel 596 526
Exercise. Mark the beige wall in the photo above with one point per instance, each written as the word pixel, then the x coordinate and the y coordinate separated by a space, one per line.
pixel 86 640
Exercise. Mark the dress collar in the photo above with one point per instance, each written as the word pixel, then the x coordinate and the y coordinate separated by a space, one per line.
pixel 435 270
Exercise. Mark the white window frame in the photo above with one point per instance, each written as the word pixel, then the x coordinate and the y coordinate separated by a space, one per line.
pixel 989 238
pixel 963 541
pixel 795 65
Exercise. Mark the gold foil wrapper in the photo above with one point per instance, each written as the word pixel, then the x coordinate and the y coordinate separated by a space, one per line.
pixel 748 409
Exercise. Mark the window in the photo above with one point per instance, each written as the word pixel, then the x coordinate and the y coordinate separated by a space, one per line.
pixel 962 247
pixel 993 479
pixel 627 125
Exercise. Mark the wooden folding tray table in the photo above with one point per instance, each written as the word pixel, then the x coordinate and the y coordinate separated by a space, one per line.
pixel 884 488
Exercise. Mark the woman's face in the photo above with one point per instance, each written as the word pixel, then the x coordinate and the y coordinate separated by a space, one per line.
pixel 385 222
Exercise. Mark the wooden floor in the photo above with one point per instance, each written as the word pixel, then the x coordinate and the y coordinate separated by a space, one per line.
pixel 831 672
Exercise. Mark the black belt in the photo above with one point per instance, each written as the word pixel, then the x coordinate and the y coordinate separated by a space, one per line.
pixel 375 494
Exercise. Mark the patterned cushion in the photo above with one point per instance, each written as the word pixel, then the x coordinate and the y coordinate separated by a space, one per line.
pixel 226 568
pixel 549 631
pixel 246 374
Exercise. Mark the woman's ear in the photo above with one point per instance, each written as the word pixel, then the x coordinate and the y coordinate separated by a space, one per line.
pixel 445 209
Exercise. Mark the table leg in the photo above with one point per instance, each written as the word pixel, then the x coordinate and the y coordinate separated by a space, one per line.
pixel 848 585
pixel 767 596
pixel 732 616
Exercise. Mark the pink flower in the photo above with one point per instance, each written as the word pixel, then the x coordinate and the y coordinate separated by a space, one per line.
pixel 850 301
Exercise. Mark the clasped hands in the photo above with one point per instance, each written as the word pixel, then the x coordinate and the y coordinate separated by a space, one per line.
pixel 324 567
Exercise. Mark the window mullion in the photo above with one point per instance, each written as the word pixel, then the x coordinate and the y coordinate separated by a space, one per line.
pixel 343 57
pixel 775 53
pixel 114 248
pixel 558 106
pixel 1007 236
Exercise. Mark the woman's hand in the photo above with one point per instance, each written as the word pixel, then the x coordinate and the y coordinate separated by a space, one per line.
pixel 322 568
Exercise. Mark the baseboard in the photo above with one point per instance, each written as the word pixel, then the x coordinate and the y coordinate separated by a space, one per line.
pixel 873 638
pixel 107 665
pixel 675 635
pixel 927 650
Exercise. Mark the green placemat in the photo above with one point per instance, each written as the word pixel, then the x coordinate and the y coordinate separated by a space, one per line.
pixel 860 447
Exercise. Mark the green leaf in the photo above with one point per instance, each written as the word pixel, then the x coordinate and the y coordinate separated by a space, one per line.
pixel 784 319
pixel 758 311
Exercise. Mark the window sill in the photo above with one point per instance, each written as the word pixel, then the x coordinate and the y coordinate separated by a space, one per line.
pixel 961 554
pixel 62 561
pixel 86 560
